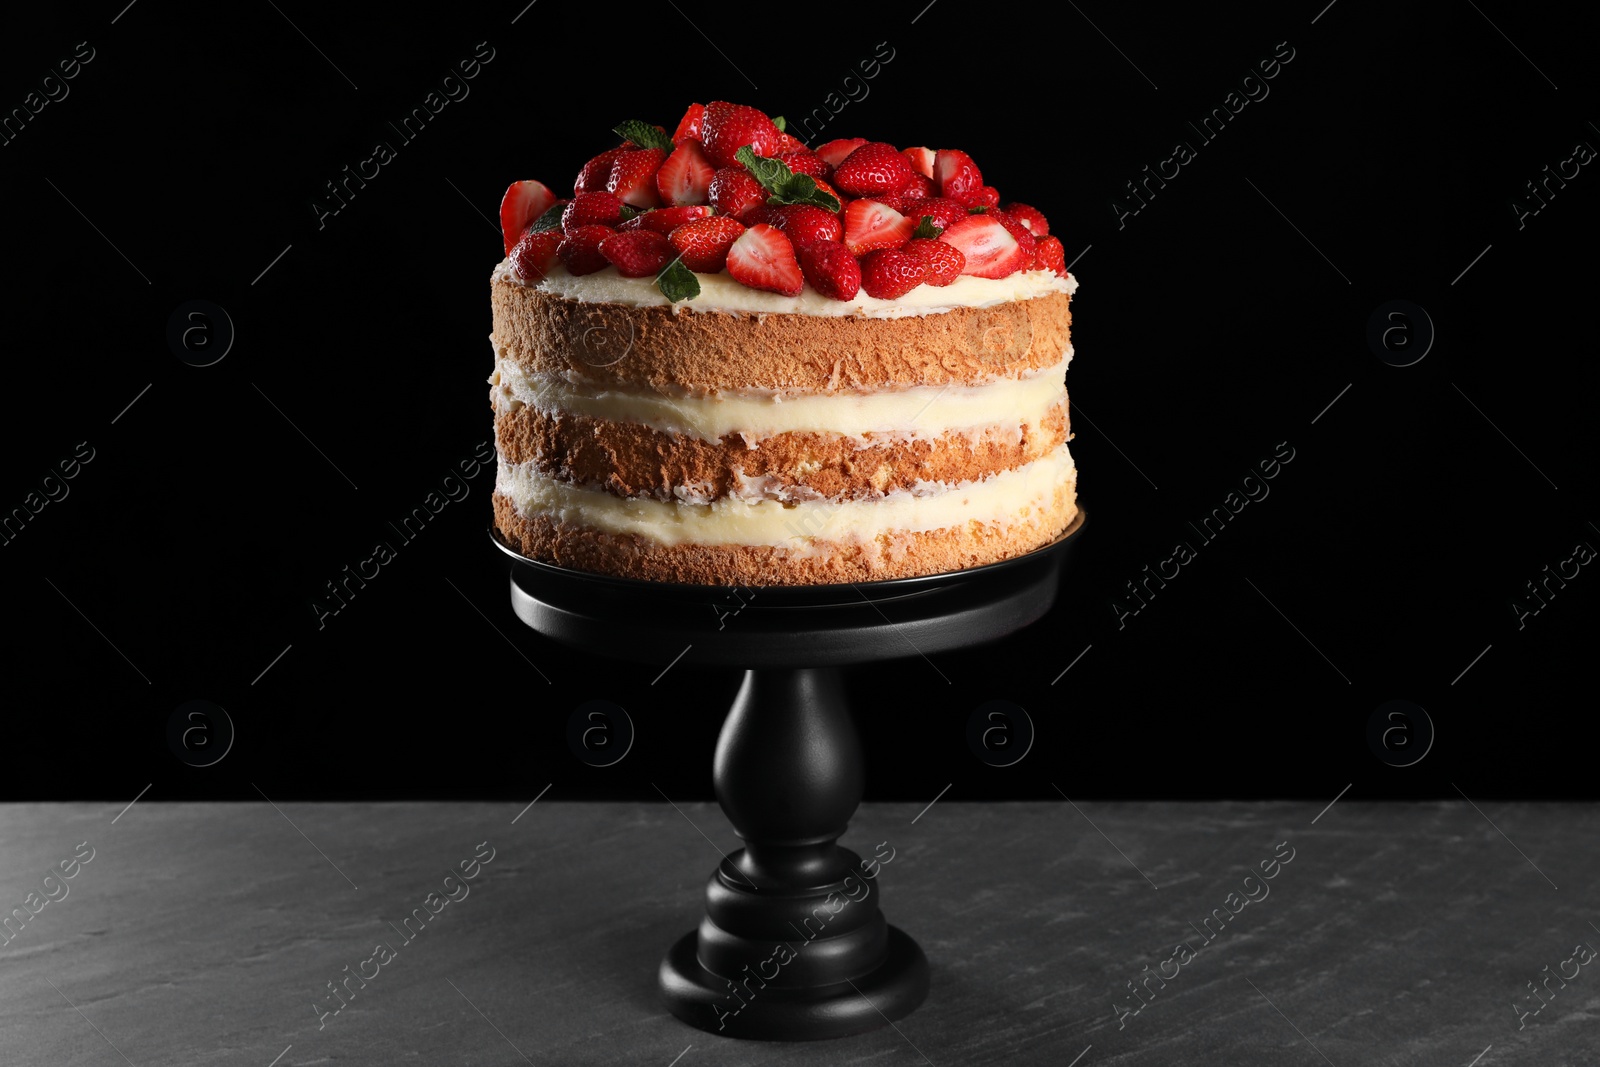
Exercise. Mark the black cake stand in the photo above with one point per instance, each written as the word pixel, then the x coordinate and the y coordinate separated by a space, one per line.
pixel 793 945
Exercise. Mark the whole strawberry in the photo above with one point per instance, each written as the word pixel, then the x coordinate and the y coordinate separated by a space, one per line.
pixel 831 270
pixel 873 169
pixel 1031 217
pixel 666 219
pixel 944 212
pixel 703 244
pixel 637 254
pixel 943 262
pixel 726 128
pixel 579 250
pixel 591 209
pixel 535 254
pixel 889 273
pixel 595 173
pixel 1049 255
pixel 804 223
pixel 733 192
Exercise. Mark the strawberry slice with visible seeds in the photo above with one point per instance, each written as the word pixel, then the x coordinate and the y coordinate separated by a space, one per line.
pixel 524 202
pixel 945 212
pixel 763 258
pixel 734 192
pixel 955 172
pixel 990 249
pixel 831 270
pixel 869 225
pixel 804 223
pixel 889 274
pixel 595 173
pixel 639 254
pixel 686 175
pixel 579 250
pixel 873 169
pixel 633 177
pixel 666 219
pixel 944 262
pixel 703 244
pixel 535 254
pixel 727 128
pixel 689 125
pixel 834 152
pixel 921 160
pixel 1025 239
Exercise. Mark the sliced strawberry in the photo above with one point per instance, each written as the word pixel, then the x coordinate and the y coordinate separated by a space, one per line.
pixel 804 223
pixel 579 250
pixel 805 161
pixel 990 249
pixel 534 254
pixel 1049 255
pixel 946 213
pixel 955 172
pixel 733 192
pixel 524 201
pixel 830 269
pixel 727 128
pixel 921 160
pixel 983 196
pixel 639 254
pixel 918 187
pixel 685 177
pixel 834 152
pixel 763 258
pixel 591 209
pixel 689 125
pixel 595 173
pixel 869 225
pixel 889 274
pixel 872 169
pixel 1031 217
pixel 703 244
pixel 944 262
pixel 666 219
pixel 633 177
pixel 1024 237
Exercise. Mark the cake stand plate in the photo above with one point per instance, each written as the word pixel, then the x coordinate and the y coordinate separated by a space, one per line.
pixel 793 944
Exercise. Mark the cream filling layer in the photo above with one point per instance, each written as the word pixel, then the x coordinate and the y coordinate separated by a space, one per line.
pixel 719 292
pixel 1003 499
pixel 924 410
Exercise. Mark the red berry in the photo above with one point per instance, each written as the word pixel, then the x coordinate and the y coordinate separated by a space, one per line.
pixel 869 225
pixel 1031 217
pixel 591 209
pixel 890 200
pixel 955 172
pixel 788 142
pixel 703 244
pixel 760 213
pixel 579 250
pixel 595 173
pixel 763 258
pixel 921 160
pixel 534 254
pixel 990 249
pixel 834 152
pixel 666 219
pixel 1049 255
pixel 524 202
pixel 918 187
pixel 689 125
pixel 639 254
pixel 983 196
pixel 831 191
pixel 633 177
pixel 873 169
pixel 1024 237
pixel 805 161
pixel 685 177
pixel 889 274
pixel 946 213
pixel 804 223
pixel 830 269
pixel 727 128
pixel 733 192
pixel 943 262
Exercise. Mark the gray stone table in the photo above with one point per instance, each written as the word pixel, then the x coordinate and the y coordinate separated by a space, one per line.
pixel 1394 934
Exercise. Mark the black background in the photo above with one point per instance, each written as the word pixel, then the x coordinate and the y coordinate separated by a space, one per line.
pixel 1208 329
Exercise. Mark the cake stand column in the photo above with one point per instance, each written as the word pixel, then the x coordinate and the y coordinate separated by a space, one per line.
pixel 793 945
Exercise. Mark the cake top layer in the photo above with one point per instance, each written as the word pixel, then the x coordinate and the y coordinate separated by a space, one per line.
pixel 730 203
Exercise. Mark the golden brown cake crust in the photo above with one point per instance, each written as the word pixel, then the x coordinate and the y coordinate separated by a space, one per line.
pixel 632 460
pixel 654 347
pixel 896 555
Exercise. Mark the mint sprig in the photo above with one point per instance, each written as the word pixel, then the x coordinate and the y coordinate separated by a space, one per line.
pixel 780 122
pixel 677 282
pixel 643 134
pixel 926 228
pixel 550 220
pixel 785 186
pixel 630 212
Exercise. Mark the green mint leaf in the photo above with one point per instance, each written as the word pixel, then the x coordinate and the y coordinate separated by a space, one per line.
pixel 780 122
pixel 643 134
pixel 630 212
pixel 550 220
pixel 979 210
pixel 678 282
pixel 926 228
pixel 802 189
pixel 771 173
